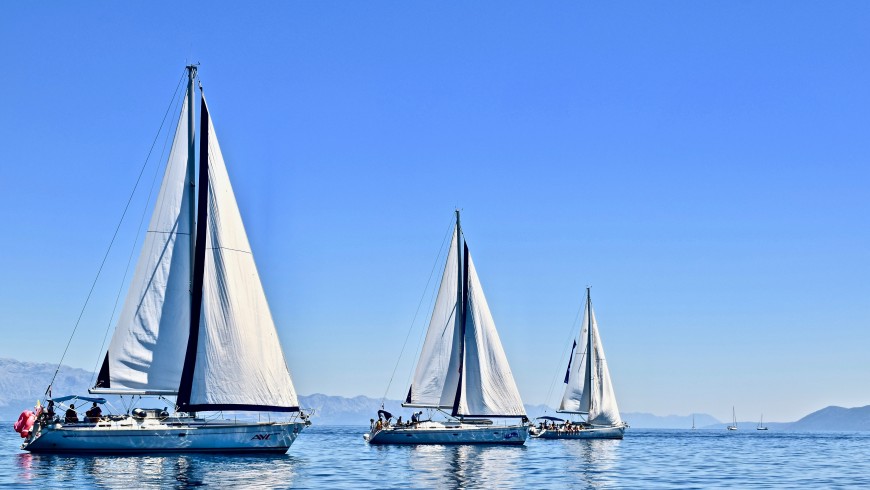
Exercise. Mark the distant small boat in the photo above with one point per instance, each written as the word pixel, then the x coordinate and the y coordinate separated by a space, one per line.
pixel 761 424
pixel 733 425
pixel 693 422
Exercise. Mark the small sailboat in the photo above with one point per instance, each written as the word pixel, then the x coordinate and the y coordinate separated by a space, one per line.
pixel 693 421
pixel 733 425
pixel 589 390
pixel 195 326
pixel 462 369
pixel 761 424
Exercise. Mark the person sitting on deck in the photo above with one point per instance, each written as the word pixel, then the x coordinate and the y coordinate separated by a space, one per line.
pixel 399 421
pixel 94 413
pixel 71 415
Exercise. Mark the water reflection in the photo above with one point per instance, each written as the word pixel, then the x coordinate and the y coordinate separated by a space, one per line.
pixel 594 461
pixel 179 471
pixel 466 466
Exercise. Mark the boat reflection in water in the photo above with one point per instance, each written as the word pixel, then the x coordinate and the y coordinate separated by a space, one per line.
pixel 463 466
pixel 145 471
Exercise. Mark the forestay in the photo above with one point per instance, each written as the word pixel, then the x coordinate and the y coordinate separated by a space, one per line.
pixel 148 346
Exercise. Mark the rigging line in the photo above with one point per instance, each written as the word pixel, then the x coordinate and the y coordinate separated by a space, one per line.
pixel 114 235
pixel 419 304
pixel 175 102
pixel 562 358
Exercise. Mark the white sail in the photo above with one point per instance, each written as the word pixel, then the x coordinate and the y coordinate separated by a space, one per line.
pixel 488 386
pixel 239 362
pixel 437 373
pixel 590 389
pixel 604 409
pixel 148 347
pixel 576 397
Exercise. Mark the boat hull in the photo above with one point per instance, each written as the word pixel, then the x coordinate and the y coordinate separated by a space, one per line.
pixel 592 433
pixel 447 434
pixel 224 437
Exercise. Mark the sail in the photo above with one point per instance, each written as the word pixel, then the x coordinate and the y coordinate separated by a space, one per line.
pixel 437 373
pixel 604 409
pixel 576 397
pixel 238 363
pixel 488 387
pixel 590 388
pixel 148 346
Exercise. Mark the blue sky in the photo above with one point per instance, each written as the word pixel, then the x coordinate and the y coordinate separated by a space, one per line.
pixel 703 165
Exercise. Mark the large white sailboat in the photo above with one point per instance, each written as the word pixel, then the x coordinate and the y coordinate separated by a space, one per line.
pixel 589 390
pixel 226 356
pixel 462 370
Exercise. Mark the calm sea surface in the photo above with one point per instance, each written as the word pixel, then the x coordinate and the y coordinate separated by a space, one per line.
pixel 337 457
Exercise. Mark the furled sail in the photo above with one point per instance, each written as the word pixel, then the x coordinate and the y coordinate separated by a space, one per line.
pixel 590 389
pixel 437 373
pixel 238 363
pixel 488 387
pixel 148 346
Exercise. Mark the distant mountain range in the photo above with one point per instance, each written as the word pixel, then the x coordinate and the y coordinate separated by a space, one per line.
pixel 22 383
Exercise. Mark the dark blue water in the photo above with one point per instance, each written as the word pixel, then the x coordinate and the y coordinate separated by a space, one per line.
pixel 337 457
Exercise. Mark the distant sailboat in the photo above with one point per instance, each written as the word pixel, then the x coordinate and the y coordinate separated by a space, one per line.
pixel 195 325
pixel 733 425
pixel 462 368
pixel 589 390
pixel 693 421
pixel 761 424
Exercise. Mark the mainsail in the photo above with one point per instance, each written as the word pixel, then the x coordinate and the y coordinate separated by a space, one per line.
pixel 462 365
pixel 147 348
pixel 589 389
pixel 487 385
pixel 234 359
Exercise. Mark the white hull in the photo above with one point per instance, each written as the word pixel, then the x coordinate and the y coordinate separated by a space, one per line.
pixel 438 433
pixel 178 435
pixel 592 433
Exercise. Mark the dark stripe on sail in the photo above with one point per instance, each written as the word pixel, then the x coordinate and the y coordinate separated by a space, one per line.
pixel 408 400
pixel 103 377
pixel 198 272
pixel 464 308
pixel 570 358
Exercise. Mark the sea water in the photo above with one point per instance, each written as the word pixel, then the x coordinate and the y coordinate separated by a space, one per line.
pixel 337 457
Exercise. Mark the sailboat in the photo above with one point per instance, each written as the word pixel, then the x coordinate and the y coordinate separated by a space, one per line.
pixel 462 368
pixel 589 390
pixel 761 424
pixel 733 425
pixel 693 422
pixel 195 326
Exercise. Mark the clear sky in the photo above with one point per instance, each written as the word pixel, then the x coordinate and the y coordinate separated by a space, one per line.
pixel 703 165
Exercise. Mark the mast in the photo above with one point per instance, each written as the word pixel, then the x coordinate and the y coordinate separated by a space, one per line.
pixel 191 163
pixel 589 348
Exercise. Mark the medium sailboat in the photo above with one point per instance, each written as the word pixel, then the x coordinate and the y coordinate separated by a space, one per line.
pixel 761 425
pixel 589 390
pixel 462 368
pixel 733 425
pixel 195 325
